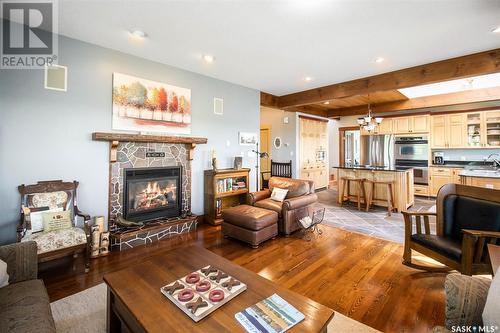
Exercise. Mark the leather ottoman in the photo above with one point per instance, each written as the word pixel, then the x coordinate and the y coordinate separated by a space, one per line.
pixel 250 224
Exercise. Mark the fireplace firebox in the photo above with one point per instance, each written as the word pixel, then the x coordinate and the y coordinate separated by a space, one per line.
pixel 152 193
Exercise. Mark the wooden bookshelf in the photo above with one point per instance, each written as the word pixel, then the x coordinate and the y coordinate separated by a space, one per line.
pixel 221 191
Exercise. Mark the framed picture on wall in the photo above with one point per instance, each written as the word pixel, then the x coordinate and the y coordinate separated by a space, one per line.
pixel 149 106
pixel 248 139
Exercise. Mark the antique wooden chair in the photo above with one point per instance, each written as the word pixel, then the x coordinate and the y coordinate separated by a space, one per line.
pixel 54 195
pixel 278 169
pixel 467 218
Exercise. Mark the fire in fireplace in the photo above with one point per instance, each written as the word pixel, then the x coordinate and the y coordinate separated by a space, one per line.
pixel 152 193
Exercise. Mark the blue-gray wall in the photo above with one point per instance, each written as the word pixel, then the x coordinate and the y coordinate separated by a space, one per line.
pixel 274 119
pixel 46 134
pixel 468 155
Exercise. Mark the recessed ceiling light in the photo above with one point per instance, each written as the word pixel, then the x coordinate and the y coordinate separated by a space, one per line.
pixel 326 103
pixel 138 34
pixel 496 30
pixel 308 78
pixel 379 60
pixel 208 58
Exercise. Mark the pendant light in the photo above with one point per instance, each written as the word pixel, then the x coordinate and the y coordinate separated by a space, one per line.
pixel 369 123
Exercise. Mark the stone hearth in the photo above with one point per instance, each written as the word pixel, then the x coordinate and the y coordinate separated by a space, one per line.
pixel 133 155
pixel 133 151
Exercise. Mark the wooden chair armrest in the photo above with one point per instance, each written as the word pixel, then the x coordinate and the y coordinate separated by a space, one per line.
pixel 85 217
pixel 419 216
pixel 481 233
pixel 473 247
pixel 409 213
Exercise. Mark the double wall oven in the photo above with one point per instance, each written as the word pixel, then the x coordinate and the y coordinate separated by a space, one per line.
pixel 413 151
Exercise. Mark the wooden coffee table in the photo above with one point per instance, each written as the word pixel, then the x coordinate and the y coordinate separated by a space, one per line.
pixel 135 303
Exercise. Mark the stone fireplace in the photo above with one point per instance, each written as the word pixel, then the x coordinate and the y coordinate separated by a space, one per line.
pixel 152 193
pixel 149 181
pixel 133 157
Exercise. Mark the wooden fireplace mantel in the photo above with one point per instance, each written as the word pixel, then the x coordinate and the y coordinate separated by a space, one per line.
pixel 116 138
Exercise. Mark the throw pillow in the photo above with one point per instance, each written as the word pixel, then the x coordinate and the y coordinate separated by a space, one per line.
pixel 35 217
pixel 4 277
pixel 56 221
pixel 278 194
pixel 492 306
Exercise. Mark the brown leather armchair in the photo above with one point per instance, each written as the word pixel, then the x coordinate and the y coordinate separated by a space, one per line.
pixel 298 202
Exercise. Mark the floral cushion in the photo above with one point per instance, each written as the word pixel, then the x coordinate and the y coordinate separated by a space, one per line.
pixel 49 199
pixel 58 239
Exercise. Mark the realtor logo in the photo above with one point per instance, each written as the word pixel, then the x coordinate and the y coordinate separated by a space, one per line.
pixel 29 34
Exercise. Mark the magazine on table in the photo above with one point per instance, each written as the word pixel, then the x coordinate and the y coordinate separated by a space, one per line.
pixel 271 315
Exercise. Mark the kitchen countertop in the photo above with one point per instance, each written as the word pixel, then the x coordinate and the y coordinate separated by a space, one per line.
pixel 447 165
pixel 368 167
pixel 481 173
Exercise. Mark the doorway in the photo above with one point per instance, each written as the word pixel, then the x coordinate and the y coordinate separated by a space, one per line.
pixel 350 147
pixel 265 146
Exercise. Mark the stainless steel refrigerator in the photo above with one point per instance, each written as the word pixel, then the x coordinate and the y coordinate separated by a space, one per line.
pixel 377 150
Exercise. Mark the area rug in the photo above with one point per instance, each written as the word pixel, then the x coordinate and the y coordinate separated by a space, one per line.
pixel 85 312
pixel 81 312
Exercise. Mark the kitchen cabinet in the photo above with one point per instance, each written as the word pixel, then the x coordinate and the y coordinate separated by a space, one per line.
pixel 402 125
pixel 492 128
pixel 447 131
pixel 313 158
pixel 385 126
pixel 419 124
pixel 422 190
pixel 439 176
pixel 466 130
pixel 438 132
pixel 474 132
pixel 319 176
pixel 413 124
pixel 456 128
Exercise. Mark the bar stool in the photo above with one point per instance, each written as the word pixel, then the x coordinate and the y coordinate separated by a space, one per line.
pixel 345 193
pixel 371 194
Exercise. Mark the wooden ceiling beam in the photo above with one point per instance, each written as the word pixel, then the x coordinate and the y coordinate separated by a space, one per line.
pixel 463 97
pixel 268 100
pixel 312 110
pixel 461 67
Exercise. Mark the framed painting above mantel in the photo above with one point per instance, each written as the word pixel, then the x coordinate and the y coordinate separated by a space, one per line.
pixel 148 106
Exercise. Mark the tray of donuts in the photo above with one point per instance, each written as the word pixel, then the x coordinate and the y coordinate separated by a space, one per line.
pixel 201 292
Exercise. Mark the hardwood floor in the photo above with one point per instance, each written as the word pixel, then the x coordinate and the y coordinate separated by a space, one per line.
pixel 359 276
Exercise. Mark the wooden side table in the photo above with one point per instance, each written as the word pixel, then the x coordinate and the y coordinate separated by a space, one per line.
pixel 494 253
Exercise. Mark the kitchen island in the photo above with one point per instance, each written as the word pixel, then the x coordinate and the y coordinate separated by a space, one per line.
pixel 402 179
pixel 481 177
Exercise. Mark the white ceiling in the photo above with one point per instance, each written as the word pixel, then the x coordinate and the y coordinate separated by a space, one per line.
pixel 272 45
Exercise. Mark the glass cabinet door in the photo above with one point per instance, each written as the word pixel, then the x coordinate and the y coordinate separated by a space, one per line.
pixel 474 135
pixel 492 123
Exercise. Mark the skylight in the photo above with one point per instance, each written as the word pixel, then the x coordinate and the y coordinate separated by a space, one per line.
pixel 475 82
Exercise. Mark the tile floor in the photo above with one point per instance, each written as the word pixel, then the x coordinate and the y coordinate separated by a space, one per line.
pixel 374 223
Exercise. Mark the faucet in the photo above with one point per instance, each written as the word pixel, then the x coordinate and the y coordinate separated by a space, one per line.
pixel 495 161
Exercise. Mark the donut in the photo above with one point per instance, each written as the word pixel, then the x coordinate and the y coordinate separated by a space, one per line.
pixel 216 295
pixel 193 278
pixel 203 286
pixel 185 295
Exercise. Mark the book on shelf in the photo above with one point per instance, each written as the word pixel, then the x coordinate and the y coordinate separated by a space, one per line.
pixel 218 206
pixel 271 315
